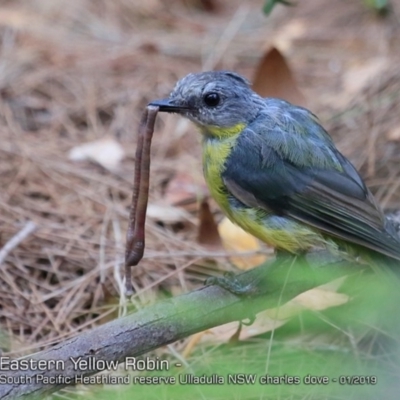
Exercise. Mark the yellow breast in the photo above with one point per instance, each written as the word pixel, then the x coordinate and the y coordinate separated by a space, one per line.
pixel 284 234
pixel 215 153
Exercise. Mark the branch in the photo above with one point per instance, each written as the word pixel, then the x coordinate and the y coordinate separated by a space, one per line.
pixel 166 322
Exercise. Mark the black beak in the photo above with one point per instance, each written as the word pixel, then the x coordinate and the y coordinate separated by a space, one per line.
pixel 166 105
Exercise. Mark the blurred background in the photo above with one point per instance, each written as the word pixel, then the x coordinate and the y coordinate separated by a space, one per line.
pixel 75 77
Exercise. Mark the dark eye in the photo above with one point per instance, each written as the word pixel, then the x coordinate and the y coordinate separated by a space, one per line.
pixel 211 99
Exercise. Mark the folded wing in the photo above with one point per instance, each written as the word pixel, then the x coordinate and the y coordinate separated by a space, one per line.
pixel 334 200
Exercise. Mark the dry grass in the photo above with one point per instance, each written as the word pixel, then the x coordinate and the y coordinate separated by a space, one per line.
pixel 76 71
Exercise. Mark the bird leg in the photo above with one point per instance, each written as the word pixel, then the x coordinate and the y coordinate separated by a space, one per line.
pixel 280 273
pixel 256 285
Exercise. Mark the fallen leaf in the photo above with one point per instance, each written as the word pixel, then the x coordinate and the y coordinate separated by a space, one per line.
pixel 334 285
pixel 360 75
pixel 149 47
pixel 14 18
pixel 273 78
pixel 235 238
pixel 285 37
pixel 192 343
pixel 319 298
pixel 394 134
pixel 107 152
pixel 208 235
pixel 224 333
pixel 210 6
pixel 166 213
pixel 182 190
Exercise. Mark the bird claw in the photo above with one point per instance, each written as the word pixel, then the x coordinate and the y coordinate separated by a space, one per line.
pixel 233 285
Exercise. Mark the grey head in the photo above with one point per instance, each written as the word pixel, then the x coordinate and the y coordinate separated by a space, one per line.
pixel 214 98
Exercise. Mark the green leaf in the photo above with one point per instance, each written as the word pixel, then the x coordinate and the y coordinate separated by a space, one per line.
pixel 270 4
pixel 378 5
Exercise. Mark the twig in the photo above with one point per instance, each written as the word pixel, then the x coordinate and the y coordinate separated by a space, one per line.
pixel 29 228
pixel 219 48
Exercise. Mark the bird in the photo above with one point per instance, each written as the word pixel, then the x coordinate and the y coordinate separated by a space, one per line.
pixel 275 171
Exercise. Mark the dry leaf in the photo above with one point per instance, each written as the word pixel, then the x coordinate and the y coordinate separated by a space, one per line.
pixel 224 333
pixel 273 78
pixel 235 238
pixel 319 298
pixel 167 214
pixel 192 343
pixel 182 190
pixel 14 18
pixel 208 234
pixel 107 152
pixel 210 6
pixel 316 299
pixel 292 30
pixel 358 76
pixel 334 285
pixel 394 134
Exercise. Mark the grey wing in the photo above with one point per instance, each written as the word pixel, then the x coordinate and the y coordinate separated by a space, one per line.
pixel 335 201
